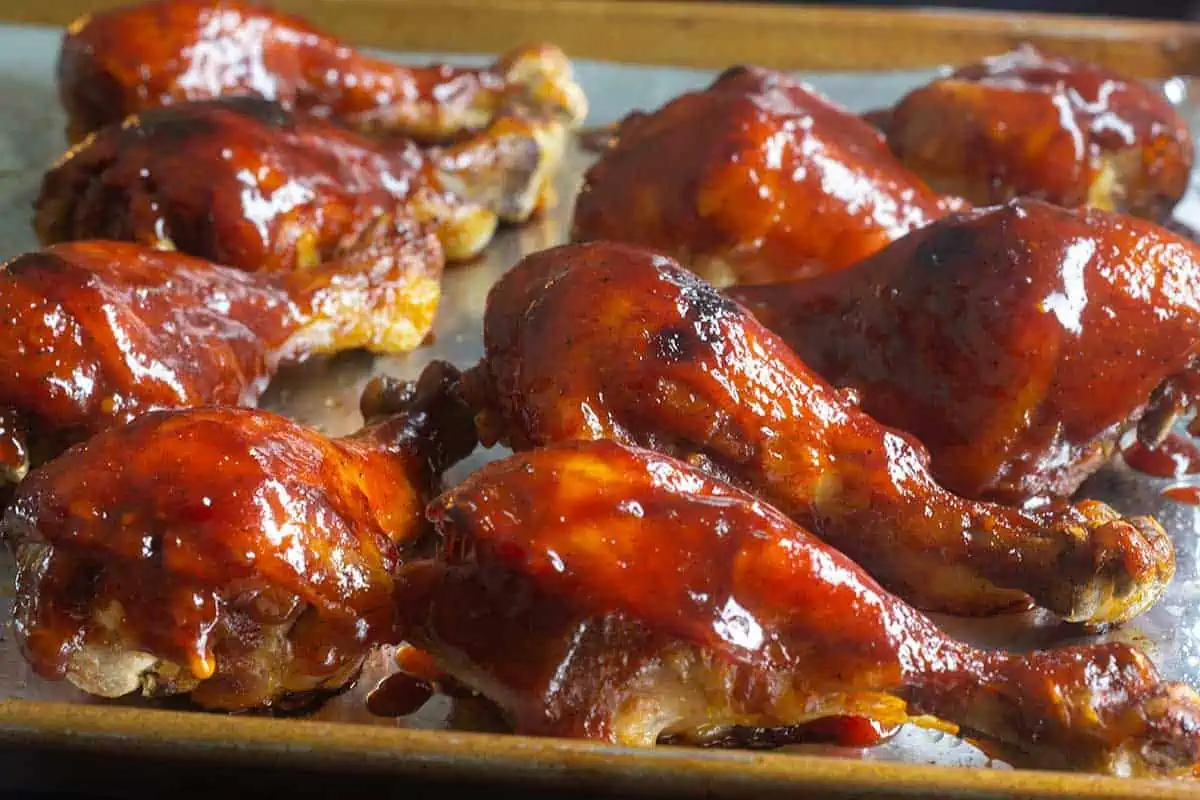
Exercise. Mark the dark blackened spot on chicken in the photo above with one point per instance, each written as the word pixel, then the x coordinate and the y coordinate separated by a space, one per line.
pixel 266 112
pixel 702 299
pixel 705 309
pixel 180 123
pixel 702 306
pixel 676 344
pixel 170 124
pixel 948 247
pixel 707 303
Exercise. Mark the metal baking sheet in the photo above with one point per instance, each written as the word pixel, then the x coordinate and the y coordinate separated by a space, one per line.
pixel 325 393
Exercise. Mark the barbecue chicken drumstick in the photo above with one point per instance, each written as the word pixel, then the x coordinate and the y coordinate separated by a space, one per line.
pixel 756 178
pixel 1017 343
pixel 600 591
pixel 98 333
pixel 609 341
pixel 224 552
pixel 1028 124
pixel 131 59
pixel 242 182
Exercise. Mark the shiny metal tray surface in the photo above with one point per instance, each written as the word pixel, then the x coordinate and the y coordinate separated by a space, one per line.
pixel 325 393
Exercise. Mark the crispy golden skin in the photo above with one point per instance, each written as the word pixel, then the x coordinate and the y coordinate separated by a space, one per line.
pixel 607 592
pixel 241 181
pixel 143 56
pixel 225 552
pixel 609 341
pixel 1016 343
pixel 98 333
pixel 756 178
pixel 1028 124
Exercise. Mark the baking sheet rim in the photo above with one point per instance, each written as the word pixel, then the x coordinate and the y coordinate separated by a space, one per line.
pixel 563 763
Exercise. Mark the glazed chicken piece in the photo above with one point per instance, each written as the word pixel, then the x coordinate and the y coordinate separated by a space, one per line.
pixel 610 341
pixel 756 178
pixel 1017 343
pixel 131 59
pixel 600 591
pixel 1029 124
pixel 224 552
pixel 98 333
pixel 242 182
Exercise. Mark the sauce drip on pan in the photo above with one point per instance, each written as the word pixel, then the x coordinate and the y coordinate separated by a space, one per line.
pixel 398 695
pixel 848 731
pixel 1174 457
pixel 1188 495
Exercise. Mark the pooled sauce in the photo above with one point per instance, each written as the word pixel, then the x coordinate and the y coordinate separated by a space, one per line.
pixel 1188 495
pixel 1174 457
pixel 398 695
pixel 848 731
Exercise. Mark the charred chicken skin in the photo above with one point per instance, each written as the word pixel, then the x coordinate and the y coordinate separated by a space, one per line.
pixel 610 341
pixel 243 182
pixel 132 59
pixel 98 333
pixel 756 178
pixel 601 591
pixel 225 552
pixel 1028 124
pixel 1017 343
